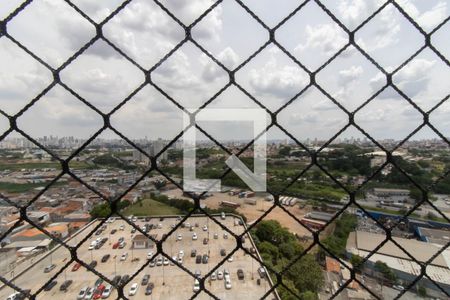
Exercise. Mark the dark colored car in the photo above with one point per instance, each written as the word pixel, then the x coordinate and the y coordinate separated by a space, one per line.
pixel 98 232
pixel 65 285
pixel 161 219
pixel 240 274
pixel 205 259
pixel 149 288
pixel 223 252
pixel 133 230
pixel 93 264
pixel 205 241
pixel 193 253
pixel 50 285
pixel 198 259
pixel 147 219
pixel 105 258
pixel 124 279
pixel 98 282
pixel 116 280
pixel 113 231
pixel 145 279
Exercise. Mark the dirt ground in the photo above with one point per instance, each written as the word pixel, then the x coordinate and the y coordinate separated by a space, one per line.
pixel 253 212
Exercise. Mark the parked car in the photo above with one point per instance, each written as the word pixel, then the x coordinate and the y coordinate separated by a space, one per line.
pixel 75 267
pixel 145 279
pixel 240 274
pixel 50 285
pixel 227 283
pixel 152 263
pixel 219 275
pixel 116 245
pixel 65 285
pixel 194 236
pixel 133 289
pixel 99 291
pixel 116 280
pixel 107 291
pixel 198 259
pixel 122 245
pixel 205 259
pixel 222 216
pixel 149 288
pixel 198 274
pixel 82 293
pixel 113 231
pixel 196 285
pixel 124 256
pixel 216 236
pixel 205 241
pixel 124 279
pixel 214 275
pixel 98 282
pixel 205 228
pixel 105 258
pixel 223 252
pixel 193 253
pixel 89 294
pixel 93 264
pixel 230 259
pixel 179 237
pixel 225 235
pixel 48 268
pixel 149 255
pixel 262 272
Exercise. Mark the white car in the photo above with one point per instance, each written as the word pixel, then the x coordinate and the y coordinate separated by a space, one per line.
pixel 222 216
pixel 194 236
pixel 205 228
pixel 122 227
pixel 166 261
pixel 225 235
pixel 124 256
pixel 149 255
pixel 213 275
pixel 220 275
pixel 107 291
pixel 173 258
pixel 227 282
pixel 179 237
pixel 133 289
pixel 159 225
pixel 13 296
pixel 196 285
pixel 181 254
pixel 230 259
pixel 180 260
pixel 89 294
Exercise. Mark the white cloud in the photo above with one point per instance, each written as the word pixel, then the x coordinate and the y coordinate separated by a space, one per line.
pixel 429 18
pixel 353 12
pixel 413 78
pixel 282 81
pixel 327 38
pixel 349 75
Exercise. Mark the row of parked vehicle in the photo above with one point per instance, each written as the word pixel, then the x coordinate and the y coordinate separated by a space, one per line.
pixel 98 291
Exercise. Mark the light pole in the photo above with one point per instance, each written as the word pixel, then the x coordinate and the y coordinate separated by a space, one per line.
pixel 115 265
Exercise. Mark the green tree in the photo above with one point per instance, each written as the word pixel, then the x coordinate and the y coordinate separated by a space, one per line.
pixel 313 281
pixel 308 295
pixel 356 261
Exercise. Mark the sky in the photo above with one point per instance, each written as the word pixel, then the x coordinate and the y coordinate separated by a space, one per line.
pixel 144 32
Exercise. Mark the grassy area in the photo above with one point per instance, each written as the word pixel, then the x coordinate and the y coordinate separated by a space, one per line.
pixel 149 207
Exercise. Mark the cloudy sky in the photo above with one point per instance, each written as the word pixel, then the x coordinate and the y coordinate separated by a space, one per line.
pixel 144 32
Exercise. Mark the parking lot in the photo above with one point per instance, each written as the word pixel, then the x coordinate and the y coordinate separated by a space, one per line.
pixel 169 281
